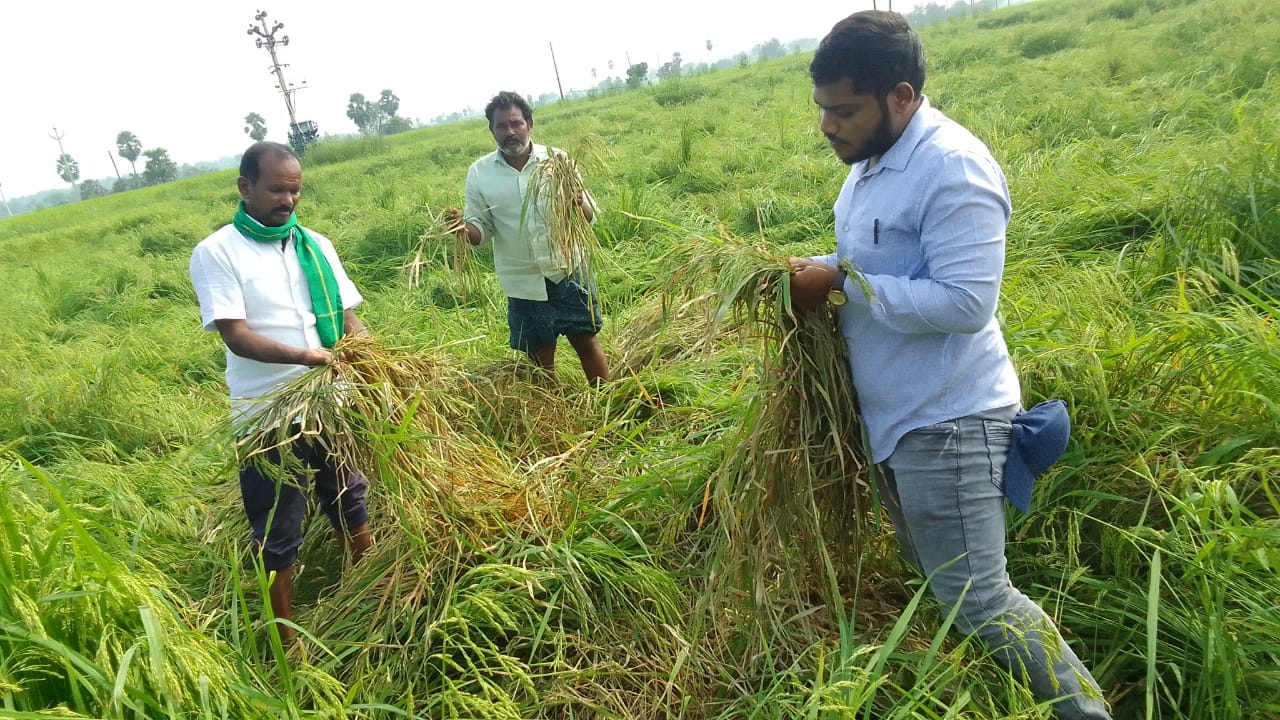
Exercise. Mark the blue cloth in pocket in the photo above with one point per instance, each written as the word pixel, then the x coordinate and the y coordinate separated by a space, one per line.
pixel 1040 437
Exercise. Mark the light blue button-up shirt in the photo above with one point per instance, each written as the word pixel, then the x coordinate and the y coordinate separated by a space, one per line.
pixel 926 229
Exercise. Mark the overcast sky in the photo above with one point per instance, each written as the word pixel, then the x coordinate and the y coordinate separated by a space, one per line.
pixel 182 75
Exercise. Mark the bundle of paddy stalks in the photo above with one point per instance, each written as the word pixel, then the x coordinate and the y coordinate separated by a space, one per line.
pixel 535 419
pixel 573 622
pixel 481 597
pixel 441 233
pixel 661 330
pixel 791 497
pixel 389 413
pixel 557 194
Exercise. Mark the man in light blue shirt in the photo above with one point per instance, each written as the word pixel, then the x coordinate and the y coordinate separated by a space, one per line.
pixel 548 295
pixel 921 219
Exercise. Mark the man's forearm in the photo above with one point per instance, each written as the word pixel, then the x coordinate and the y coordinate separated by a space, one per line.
pixel 352 325
pixel 255 346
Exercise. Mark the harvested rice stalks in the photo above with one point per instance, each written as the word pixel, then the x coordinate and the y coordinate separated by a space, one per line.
pixel 661 331
pixel 790 497
pixel 463 271
pixel 556 193
pixel 386 413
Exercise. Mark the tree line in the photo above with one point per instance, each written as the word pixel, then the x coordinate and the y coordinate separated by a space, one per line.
pixel 159 168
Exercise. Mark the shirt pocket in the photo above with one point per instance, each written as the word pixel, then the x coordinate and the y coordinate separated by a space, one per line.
pixel 895 250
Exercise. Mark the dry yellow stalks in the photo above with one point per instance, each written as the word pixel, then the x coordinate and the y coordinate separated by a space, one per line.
pixel 387 412
pixel 440 228
pixel 557 194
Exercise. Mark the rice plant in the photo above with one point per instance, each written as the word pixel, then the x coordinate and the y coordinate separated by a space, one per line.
pixel 83 630
pixel 791 498
pixel 385 411
pixel 464 275
pixel 556 197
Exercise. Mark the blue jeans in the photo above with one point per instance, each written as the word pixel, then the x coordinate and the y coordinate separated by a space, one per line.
pixel 943 489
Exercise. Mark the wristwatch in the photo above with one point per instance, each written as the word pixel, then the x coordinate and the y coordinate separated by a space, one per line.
pixel 836 296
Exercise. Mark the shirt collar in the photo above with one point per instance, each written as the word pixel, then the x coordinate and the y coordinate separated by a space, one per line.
pixel 538 154
pixel 897 156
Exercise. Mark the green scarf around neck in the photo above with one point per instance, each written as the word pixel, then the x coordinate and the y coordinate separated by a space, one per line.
pixel 325 299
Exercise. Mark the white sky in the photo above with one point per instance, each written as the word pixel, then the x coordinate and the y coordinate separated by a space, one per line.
pixel 182 75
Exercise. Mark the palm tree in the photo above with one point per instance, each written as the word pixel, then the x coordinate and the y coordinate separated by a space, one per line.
pixel 68 169
pixel 129 147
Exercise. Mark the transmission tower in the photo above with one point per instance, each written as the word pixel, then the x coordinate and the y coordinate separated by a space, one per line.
pixel 302 133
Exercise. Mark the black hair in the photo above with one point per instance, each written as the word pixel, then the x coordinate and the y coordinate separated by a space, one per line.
pixel 873 50
pixel 506 100
pixel 251 161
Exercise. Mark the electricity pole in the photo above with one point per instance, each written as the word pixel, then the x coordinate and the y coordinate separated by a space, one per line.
pixel 61 153
pixel 57 136
pixel 7 211
pixel 300 134
pixel 112 158
pixel 556 68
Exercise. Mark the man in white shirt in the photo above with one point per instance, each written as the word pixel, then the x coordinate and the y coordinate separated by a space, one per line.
pixel 546 296
pixel 279 297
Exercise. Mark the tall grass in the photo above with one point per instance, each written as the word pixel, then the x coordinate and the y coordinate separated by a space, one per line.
pixel 82 629
pixel 553 551
pixel 790 499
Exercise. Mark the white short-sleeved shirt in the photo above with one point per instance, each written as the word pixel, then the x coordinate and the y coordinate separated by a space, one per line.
pixel 523 253
pixel 262 283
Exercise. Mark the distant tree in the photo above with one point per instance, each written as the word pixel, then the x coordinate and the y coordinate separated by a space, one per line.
pixel 374 117
pixel 593 73
pixel 129 147
pixel 670 69
pixel 255 127
pixel 743 60
pixel 123 184
pixel 361 113
pixel 771 49
pixel 934 12
pixel 388 103
pixel 68 169
pixel 91 188
pixel 636 75
pixel 160 168
pixel 395 125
